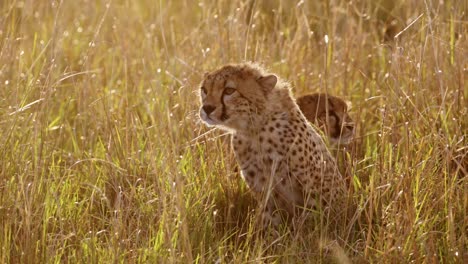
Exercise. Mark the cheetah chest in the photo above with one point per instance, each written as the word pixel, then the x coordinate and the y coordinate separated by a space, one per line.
pixel 286 155
pixel 265 159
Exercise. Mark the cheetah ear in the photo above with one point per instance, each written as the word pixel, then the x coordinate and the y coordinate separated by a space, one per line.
pixel 268 82
pixel 205 74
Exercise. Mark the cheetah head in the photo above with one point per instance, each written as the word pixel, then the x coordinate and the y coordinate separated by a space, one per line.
pixel 330 114
pixel 235 96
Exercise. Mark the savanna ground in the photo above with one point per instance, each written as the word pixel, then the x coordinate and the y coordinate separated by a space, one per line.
pixel 104 159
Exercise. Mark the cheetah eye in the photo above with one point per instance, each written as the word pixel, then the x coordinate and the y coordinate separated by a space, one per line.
pixel 203 90
pixel 229 91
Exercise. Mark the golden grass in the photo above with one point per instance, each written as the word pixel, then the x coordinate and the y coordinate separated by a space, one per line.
pixel 104 158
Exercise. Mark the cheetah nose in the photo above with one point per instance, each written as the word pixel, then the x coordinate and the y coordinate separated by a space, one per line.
pixel 208 109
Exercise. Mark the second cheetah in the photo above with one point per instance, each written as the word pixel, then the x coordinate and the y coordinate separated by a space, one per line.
pixel 283 160
pixel 329 113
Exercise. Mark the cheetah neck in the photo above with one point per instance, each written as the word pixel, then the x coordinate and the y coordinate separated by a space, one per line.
pixel 280 106
pixel 268 122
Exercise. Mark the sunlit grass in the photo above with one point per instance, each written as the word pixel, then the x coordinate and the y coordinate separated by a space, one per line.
pixel 104 157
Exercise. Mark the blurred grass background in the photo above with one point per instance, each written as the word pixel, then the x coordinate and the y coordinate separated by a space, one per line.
pixel 104 159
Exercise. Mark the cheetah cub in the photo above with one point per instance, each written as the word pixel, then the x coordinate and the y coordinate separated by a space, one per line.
pixel 282 158
pixel 329 113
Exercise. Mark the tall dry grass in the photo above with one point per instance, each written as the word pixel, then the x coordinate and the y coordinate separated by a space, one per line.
pixel 104 159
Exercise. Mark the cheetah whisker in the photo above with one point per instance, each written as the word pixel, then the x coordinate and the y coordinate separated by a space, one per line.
pixel 195 140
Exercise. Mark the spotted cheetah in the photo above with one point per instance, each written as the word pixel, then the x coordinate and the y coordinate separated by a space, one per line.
pixel 282 158
pixel 329 113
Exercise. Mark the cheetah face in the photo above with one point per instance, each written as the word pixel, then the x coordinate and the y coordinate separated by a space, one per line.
pixel 330 114
pixel 233 99
pixel 339 126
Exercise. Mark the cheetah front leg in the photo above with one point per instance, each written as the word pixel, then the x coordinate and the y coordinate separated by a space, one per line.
pixel 271 215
